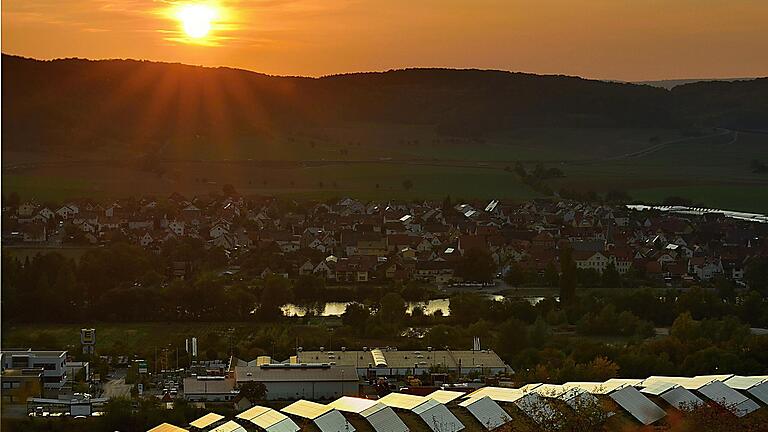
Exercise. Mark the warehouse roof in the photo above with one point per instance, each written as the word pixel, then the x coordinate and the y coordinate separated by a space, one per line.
pixel 403 359
pixel 295 373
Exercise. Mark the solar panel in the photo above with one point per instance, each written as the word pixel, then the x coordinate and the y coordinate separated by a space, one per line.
pixel 306 409
pixel 333 421
pixel 755 386
pixel 657 388
pixel 499 394
pixel 437 417
pixel 577 398
pixel 206 420
pixel 729 398
pixel 166 427
pixel 252 412
pixel 486 411
pixel 229 426
pixel 352 404
pixel 384 419
pixel 681 398
pixel 274 421
pixel 445 396
pixel 402 401
pixel 549 390
pixel 537 408
pixel 637 405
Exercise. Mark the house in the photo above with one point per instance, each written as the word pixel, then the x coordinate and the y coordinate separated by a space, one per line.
pixel 705 268
pixel 177 227
pixel 307 268
pixel 586 260
pixel 439 272
pixel 33 232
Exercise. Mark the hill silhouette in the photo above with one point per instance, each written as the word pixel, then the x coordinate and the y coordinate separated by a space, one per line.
pixel 78 104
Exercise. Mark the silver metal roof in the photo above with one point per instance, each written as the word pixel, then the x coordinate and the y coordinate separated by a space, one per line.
pixel 487 412
pixel 637 405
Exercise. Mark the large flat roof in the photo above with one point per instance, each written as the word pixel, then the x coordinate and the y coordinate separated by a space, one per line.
pixel 403 359
pixel 295 373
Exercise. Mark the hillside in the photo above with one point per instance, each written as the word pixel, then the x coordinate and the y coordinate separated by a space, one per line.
pixel 79 127
pixel 80 103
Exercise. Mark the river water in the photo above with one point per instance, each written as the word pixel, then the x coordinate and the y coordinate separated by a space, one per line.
pixel 430 307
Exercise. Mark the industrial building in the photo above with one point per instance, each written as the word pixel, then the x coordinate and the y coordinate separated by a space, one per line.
pixel 393 362
pixel 213 388
pixel 53 364
pixel 314 381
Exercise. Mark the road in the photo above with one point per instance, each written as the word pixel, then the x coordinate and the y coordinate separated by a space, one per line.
pixel 117 388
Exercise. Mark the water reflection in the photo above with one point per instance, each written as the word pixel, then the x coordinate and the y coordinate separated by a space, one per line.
pixel 430 307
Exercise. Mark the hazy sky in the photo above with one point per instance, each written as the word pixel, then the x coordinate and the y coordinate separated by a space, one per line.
pixel 607 39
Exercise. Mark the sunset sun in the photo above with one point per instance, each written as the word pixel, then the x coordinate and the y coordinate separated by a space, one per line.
pixel 196 19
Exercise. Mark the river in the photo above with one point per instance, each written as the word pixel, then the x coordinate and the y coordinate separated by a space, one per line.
pixel 430 307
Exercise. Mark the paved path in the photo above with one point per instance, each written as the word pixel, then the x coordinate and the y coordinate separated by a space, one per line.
pixel 117 388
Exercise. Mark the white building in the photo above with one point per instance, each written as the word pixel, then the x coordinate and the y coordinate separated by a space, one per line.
pixel 301 381
pixel 52 362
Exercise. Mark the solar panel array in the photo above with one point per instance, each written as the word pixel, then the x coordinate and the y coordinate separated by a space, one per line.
pixel 326 418
pixel 486 411
pixel 381 417
pixel 269 419
pixel 638 398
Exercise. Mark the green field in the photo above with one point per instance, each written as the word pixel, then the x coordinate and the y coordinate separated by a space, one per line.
pixel 372 162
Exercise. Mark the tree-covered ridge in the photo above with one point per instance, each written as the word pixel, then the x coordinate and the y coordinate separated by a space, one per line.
pixel 80 103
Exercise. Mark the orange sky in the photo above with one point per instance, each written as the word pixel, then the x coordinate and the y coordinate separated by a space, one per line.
pixel 607 39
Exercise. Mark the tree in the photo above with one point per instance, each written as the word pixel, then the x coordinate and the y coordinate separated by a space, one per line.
pixel 476 265
pixel 355 315
pixel 228 190
pixel 568 276
pixel 392 308
pixel 611 277
pixel 253 390
pixel 756 275
pixel 308 288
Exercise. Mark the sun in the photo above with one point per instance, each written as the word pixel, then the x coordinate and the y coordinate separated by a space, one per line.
pixel 196 19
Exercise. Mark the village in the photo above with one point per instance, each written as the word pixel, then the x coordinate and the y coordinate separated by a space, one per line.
pixel 348 241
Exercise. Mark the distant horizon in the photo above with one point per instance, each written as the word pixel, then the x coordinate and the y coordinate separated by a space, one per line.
pixel 468 68
pixel 599 39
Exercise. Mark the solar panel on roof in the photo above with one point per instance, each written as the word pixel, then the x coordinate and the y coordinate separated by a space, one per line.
pixel 206 420
pixel 487 412
pixel 637 405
